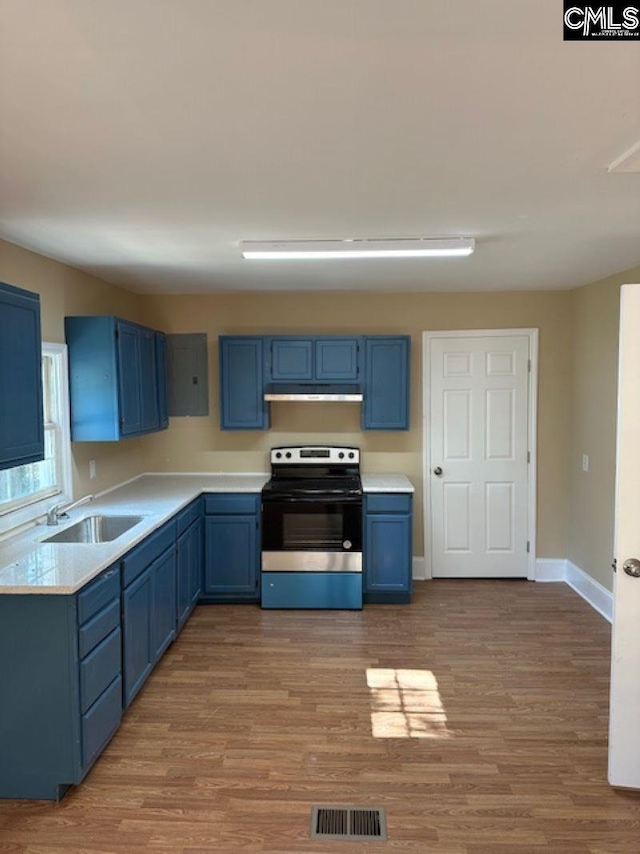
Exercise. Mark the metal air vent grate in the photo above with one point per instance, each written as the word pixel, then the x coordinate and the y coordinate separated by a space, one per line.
pixel 348 823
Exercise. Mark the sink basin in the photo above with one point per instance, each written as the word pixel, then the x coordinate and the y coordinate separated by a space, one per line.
pixel 95 529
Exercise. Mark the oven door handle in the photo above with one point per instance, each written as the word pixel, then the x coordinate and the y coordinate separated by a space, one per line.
pixel 312 499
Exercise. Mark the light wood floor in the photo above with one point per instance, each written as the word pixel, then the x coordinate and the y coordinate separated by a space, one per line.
pixel 253 716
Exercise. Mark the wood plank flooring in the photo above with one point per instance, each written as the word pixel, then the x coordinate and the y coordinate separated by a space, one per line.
pixel 495 695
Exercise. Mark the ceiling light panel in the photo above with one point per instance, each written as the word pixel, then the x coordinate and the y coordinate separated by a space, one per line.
pixel 322 250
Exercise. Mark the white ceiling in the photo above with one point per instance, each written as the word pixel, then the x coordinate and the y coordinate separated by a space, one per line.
pixel 142 140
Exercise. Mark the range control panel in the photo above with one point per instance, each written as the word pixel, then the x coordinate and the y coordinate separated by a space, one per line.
pixel 310 454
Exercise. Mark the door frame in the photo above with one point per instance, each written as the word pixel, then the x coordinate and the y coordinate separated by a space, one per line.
pixel 532 421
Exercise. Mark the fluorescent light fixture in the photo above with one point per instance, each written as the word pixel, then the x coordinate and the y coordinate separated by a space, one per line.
pixel 319 250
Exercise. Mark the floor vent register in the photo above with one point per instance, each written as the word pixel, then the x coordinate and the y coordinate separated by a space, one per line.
pixel 355 823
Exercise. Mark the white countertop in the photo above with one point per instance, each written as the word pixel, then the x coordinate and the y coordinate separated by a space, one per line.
pixel 386 483
pixel 28 565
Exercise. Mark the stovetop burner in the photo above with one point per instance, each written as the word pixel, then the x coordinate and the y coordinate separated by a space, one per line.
pixel 315 470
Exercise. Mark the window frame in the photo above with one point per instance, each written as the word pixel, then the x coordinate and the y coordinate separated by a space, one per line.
pixel 13 519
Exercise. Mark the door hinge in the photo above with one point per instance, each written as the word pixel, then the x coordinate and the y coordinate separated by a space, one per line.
pixel 614 565
pixel 528 546
pixel 117 333
pixel 529 365
pixel 528 456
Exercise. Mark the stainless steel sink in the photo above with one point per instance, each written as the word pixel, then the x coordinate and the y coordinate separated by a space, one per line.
pixel 95 529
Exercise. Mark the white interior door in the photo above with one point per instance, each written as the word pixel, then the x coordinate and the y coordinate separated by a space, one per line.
pixel 624 733
pixel 478 450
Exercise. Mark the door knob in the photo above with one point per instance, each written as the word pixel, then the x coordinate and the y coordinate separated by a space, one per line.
pixel 632 567
pixel 437 471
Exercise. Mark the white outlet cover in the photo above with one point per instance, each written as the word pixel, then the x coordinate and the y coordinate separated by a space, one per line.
pixel 585 462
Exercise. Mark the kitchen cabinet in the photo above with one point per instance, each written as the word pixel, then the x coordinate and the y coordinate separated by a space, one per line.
pixel 242 405
pixel 61 668
pixel 162 380
pixel 232 548
pixel 190 560
pixel 386 383
pixel 387 548
pixel 149 577
pixel 377 363
pixel 117 379
pixel 313 359
pixel 21 418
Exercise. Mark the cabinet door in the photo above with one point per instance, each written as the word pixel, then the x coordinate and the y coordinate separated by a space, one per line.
pixel 163 602
pixel 336 359
pixel 162 380
pixel 292 359
pixel 136 633
pixel 129 391
pixel 197 562
pixel 21 420
pixel 387 555
pixel 148 379
pixel 189 581
pixel 386 392
pixel 242 405
pixel 231 555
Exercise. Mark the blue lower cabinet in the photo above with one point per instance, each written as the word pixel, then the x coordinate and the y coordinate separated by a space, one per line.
pixel 163 603
pixel 61 678
pixel 232 559
pixel 136 626
pixel 232 548
pixel 190 567
pixel 149 620
pixel 387 548
pixel 326 590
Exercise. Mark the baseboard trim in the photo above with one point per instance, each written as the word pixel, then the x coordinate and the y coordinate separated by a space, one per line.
pixel 419 569
pixel 591 590
pixel 554 569
pixel 550 569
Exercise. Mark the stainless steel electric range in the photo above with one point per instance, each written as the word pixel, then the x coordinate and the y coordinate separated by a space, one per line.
pixel 312 528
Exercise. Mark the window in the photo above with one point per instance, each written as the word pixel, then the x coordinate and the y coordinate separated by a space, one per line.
pixel 27 492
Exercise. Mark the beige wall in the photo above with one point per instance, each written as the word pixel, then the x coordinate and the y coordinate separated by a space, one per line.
pixel 197 444
pixel 577 390
pixel 64 290
pixel 596 311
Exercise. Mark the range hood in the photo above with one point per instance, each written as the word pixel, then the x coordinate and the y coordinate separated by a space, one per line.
pixel 327 392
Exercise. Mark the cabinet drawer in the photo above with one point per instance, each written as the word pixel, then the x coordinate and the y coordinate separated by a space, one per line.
pixel 188 516
pixel 101 722
pixel 144 554
pixel 99 669
pixel 99 627
pixel 98 594
pixel 232 504
pixel 387 502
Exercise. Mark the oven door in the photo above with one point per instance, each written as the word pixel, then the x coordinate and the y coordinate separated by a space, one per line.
pixel 312 534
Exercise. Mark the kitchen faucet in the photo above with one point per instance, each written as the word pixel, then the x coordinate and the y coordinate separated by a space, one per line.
pixel 59 511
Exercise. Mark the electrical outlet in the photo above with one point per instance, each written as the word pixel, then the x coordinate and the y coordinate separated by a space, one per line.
pixel 585 462
pixel 92 469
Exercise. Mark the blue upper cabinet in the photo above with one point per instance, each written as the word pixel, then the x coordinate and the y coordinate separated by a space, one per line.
pixel 386 386
pixel 21 418
pixel 291 359
pixel 379 364
pixel 313 359
pixel 162 380
pixel 117 381
pixel 127 342
pixel 242 405
pixel 149 389
pixel 337 359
